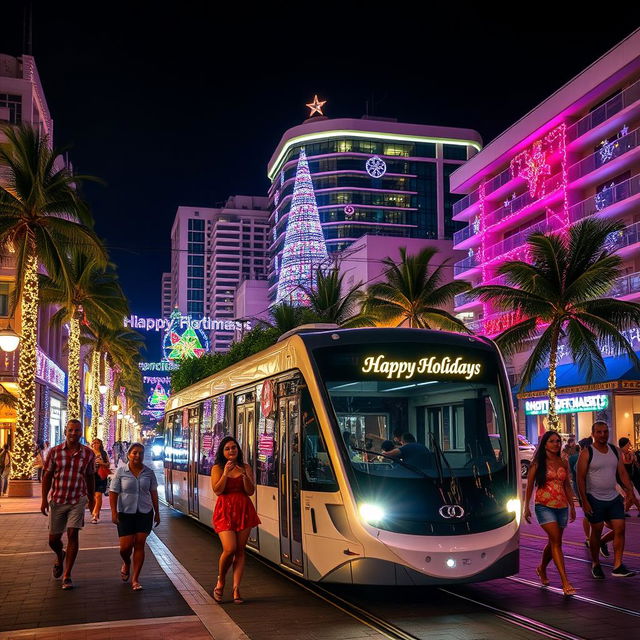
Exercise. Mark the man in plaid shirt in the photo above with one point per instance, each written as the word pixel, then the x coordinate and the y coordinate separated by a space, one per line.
pixel 69 474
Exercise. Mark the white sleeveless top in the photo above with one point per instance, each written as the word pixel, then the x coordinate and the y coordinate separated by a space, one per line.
pixel 601 475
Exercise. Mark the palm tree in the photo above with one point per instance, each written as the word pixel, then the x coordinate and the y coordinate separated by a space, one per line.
pixel 92 295
pixel 560 295
pixel 41 217
pixel 328 302
pixel 286 316
pixel 413 294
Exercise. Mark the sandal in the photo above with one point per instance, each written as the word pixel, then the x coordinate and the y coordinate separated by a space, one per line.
pixel 67 584
pixel 124 574
pixel 136 586
pixel 236 596
pixel 569 590
pixel 58 567
pixel 544 581
pixel 218 592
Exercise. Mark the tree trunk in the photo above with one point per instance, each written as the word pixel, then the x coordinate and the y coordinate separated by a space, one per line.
pixel 23 455
pixel 73 396
pixel 553 419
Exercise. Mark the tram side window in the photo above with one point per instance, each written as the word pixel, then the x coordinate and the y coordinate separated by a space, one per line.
pixel 180 443
pixel 222 424
pixel 318 474
pixel 267 450
pixel 207 452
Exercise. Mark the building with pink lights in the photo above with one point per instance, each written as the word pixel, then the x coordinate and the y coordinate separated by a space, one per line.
pixel 371 176
pixel 577 154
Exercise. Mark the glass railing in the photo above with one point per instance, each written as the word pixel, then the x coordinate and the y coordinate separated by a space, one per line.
pixel 466 202
pixel 605 198
pixel 625 238
pixel 464 265
pixel 464 234
pixel 516 240
pixel 626 285
pixel 514 205
pixel 604 112
pixel 604 155
pixel 464 298
pixel 497 181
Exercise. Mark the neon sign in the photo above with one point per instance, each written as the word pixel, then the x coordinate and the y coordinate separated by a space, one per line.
pixel 185 322
pixel 406 369
pixel 49 371
pixel 569 404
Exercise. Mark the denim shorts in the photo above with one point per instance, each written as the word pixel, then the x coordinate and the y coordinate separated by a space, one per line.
pixel 545 515
pixel 605 509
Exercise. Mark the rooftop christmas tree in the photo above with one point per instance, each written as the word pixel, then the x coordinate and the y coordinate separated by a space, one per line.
pixel 304 247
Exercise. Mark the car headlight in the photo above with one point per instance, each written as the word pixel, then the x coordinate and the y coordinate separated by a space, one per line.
pixel 515 506
pixel 156 449
pixel 371 513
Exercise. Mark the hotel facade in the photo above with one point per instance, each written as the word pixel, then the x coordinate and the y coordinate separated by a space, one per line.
pixel 371 176
pixel 576 155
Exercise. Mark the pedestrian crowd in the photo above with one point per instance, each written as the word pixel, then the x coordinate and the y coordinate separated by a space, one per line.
pixel 602 477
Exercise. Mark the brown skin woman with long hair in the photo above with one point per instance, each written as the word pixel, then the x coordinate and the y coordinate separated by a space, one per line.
pixel 234 514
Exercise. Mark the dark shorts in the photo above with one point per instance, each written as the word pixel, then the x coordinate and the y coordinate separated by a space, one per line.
pixel 605 509
pixel 131 523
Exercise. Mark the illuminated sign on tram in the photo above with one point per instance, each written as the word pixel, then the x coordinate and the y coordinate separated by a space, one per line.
pixel 406 369
pixel 570 404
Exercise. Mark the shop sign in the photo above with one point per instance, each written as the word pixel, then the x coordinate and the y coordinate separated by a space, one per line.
pixel 48 371
pixel 164 365
pixel 569 404
pixel 156 379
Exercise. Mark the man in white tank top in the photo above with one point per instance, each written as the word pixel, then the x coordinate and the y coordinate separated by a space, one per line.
pixel 597 472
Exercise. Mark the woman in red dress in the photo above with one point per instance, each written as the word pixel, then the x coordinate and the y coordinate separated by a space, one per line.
pixel 234 514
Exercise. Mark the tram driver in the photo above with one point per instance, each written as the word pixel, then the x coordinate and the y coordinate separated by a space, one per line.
pixel 412 453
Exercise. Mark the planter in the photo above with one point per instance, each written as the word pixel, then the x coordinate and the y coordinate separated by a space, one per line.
pixel 21 488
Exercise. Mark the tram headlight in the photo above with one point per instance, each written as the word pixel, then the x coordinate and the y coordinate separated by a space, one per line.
pixel 371 513
pixel 514 506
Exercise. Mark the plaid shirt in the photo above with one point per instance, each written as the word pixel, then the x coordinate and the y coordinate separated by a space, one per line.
pixel 68 469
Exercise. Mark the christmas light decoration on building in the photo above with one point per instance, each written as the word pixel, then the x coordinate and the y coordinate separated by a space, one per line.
pixel 376 167
pixel 316 106
pixel 349 210
pixel 22 454
pixel 95 393
pixel 304 246
pixel 190 343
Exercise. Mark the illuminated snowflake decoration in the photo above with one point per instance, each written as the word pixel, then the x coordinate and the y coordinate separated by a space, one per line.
pixel 376 167
pixel 606 150
pixel 349 210
pixel 470 253
pixel 624 131
pixel 476 225
pixel 282 178
pixel 604 197
pixel 276 197
pixel 613 241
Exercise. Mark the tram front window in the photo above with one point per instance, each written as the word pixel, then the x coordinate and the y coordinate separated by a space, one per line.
pixel 446 426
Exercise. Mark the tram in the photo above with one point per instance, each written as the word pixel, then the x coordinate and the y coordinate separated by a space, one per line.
pixel 311 414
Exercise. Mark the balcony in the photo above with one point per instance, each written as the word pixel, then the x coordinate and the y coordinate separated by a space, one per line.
pixel 524 200
pixel 628 237
pixel 465 265
pixel 465 299
pixel 605 199
pixel 498 181
pixel 626 286
pixel 464 234
pixel 605 155
pixel 516 240
pixel 466 202
pixel 619 102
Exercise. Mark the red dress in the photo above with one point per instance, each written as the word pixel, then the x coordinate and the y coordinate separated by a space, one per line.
pixel 234 510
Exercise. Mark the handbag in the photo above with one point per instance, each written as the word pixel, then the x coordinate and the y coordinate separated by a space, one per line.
pixel 103 472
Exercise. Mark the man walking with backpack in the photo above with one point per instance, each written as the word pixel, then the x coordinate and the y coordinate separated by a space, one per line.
pixel 599 469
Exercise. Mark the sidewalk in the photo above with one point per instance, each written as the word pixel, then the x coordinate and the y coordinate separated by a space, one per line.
pixel 32 604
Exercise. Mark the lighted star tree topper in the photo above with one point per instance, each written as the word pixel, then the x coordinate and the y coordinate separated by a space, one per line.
pixel 304 246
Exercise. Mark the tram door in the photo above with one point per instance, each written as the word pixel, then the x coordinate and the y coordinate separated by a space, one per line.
pixel 168 448
pixel 246 436
pixel 290 475
pixel 192 468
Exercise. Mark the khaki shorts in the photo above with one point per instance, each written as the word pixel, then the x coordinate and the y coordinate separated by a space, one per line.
pixel 66 516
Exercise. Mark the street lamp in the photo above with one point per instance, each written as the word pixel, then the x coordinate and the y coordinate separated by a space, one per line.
pixel 103 388
pixel 114 407
pixel 9 339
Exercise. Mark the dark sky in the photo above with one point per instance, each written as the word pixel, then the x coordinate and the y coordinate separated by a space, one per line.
pixel 186 108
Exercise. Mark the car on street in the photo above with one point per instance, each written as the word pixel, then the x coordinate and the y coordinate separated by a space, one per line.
pixel 525 452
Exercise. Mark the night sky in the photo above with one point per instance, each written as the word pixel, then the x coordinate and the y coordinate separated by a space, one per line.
pixel 186 109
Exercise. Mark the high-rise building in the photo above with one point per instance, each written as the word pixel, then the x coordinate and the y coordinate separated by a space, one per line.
pixel 22 101
pixel 165 304
pixel 371 176
pixel 213 251
pixel 575 155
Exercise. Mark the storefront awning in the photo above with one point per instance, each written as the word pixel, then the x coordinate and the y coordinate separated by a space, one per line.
pixel 570 375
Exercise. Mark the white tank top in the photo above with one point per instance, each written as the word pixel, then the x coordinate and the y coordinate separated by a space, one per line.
pixel 601 476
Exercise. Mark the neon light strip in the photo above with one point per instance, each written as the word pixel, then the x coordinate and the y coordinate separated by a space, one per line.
pixel 392 137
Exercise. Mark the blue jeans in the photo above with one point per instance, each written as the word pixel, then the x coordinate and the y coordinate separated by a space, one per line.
pixel 549 514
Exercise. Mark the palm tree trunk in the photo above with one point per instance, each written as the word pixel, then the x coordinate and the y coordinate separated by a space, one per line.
pixel 553 420
pixel 95 393
pixel 22 463
pixel 73 397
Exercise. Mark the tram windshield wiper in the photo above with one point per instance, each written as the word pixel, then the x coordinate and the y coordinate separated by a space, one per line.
pixel 393 459
pixel 454 487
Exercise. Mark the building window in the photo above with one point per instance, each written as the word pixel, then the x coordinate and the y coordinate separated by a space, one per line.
pixel 14 105
pixel 454 152
pixel 4 299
